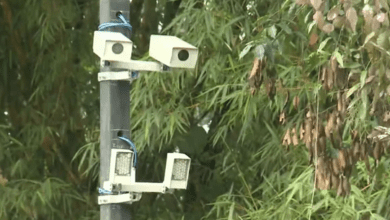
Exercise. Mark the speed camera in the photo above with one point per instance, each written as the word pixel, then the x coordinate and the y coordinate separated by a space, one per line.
pixel 112 46
pixel 172 51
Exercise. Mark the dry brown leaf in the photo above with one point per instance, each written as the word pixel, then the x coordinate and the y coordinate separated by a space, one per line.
pixel 370 79
pixel 321 130
pixel 321 145
pixel 316 4
pixel 322 180
pixel 356 151
pixel 351 160
pixel 330 78
pixel 309 114
pixel 296 102
pixel 325 178
pixel 342 159
pixel 386 116
pixel 346 186
pixel 367 162
pixel 336 166
pixel 256 75
pixel 341 78
pixel 282 117
pixel 377 6
pixel 372 71
pixel 388 90
pixel 363 151
pixel 386 22
pixel 354 135
pixel 352 18
pixel 331 124
pixel 381 17
pixel 3 180
pixel 324 78
pixel 310 149
pixel 286 100
pixel 340 188
pixel 348 171
pixel 338 131
pixel 333 13
pixel 308 128
pixel 255 68
pixel 328 28
pixel 346 4
pixel 294 134
pixel 377 152
pixel 323 75
pixel 319 180
pixel 368 13
pixel 270 88
pixel 322 8
pixel 328 177
pixel 387 73
pixel 301 132
pixel 385 5
pixel 313 39
pixel 339 22
pixel 302 2
pixel 374 135
pixel 287 138
pixel 321 165
pixel 375 25
pixel 335 181
pixel 318 17
pixel 333 64
pixel 341 104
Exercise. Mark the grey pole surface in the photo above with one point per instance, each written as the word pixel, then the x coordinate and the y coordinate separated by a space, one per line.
pixel 114 112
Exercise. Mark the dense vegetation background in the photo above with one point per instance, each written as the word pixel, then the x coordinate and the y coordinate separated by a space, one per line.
pixel 297 140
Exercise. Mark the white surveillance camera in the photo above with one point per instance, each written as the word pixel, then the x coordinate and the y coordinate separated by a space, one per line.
pixel 173 51
pixel 112 46
pixel 177 170
pixel 122 177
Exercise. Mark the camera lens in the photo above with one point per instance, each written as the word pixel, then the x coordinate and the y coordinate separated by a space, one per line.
pixel 117 48
pixel 183 55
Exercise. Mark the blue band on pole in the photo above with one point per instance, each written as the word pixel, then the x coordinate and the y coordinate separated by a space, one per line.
pixel 121 22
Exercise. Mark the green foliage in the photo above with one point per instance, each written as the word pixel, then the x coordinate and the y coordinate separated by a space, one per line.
pixel 49 110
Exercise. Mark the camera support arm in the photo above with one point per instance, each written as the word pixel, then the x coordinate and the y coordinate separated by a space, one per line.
pixel 131 68
pixel 136 65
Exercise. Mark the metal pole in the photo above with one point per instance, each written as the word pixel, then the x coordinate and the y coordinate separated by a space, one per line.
pixel 114 112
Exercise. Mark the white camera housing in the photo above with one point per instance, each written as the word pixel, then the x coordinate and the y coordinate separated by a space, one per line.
pixel 112 46
pixel 122 172
pixel 173 51
pixel 177 170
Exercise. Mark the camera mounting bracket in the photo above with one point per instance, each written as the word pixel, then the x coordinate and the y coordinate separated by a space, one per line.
pixel 120 198
pixel 115 76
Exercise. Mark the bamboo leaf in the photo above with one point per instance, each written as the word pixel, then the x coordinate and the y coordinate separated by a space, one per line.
pixel 339 58
pixel 245 51
pixel 352 90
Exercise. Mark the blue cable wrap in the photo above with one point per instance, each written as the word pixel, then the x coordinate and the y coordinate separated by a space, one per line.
pixel 103 191
pixel 132 145
pixel 121 22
